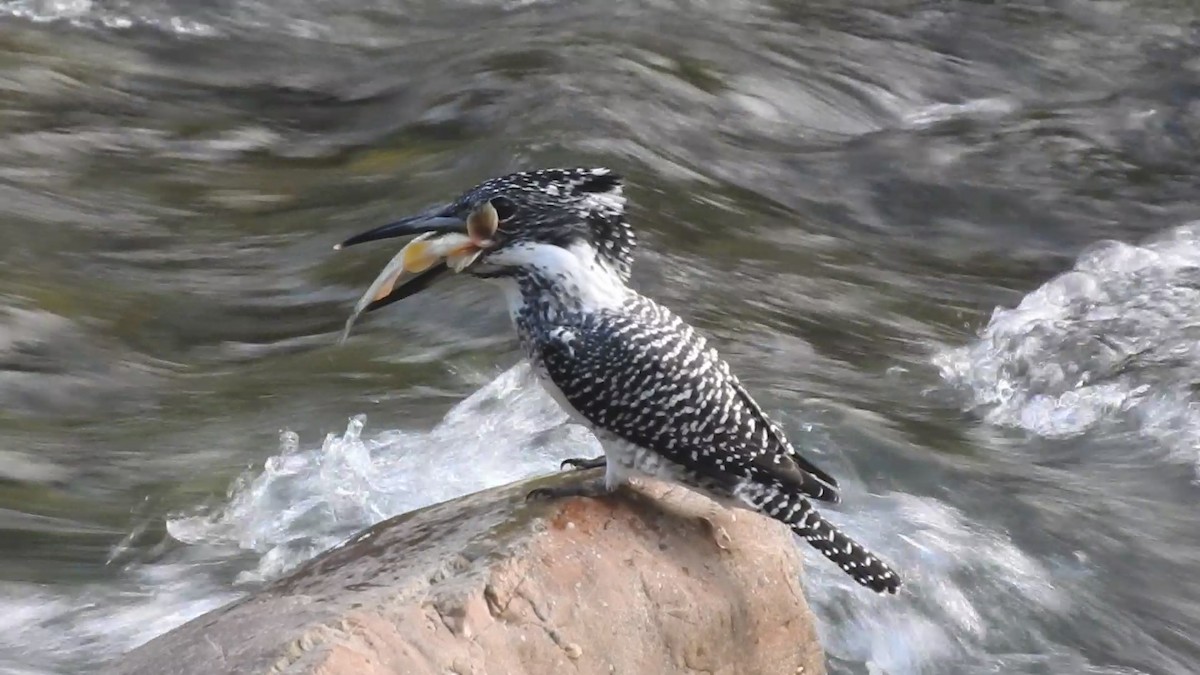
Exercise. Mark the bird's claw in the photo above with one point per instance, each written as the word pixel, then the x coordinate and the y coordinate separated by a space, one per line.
pixel 720 537
pixel 717 531
pixel 583 463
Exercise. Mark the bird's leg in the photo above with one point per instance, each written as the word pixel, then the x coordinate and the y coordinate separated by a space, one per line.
pixel 587 488
pixel 583 463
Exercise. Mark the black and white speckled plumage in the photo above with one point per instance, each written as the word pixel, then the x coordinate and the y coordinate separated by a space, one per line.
pixel 560 206
pixel 639 373
pixel 662 402
pixel 665 404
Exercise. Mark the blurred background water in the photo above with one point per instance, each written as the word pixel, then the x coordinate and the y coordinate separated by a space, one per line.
pixel 952 245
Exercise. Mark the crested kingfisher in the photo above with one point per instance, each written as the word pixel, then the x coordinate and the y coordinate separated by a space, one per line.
pixel 661 401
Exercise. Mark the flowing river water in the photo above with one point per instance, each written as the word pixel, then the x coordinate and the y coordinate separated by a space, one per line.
pixel 953 246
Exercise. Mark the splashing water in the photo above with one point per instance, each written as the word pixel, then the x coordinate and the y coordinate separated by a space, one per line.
pixel 305 501
pixel 300 502
pixel 86 13
pixel 971 592
pixel 100 620
pixel 1112 342
pixel 1088 344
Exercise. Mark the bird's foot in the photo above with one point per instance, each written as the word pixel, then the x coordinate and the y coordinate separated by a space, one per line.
pixel 582 463
pixel 720 536
pixel 590 488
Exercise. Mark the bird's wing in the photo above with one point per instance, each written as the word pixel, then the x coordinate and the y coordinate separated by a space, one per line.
pixel 646 377
pixel 778 436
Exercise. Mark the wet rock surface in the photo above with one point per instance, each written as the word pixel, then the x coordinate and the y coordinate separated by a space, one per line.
pixel 654 581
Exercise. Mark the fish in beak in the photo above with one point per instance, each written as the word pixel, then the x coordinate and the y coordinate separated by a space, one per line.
pixel 443 243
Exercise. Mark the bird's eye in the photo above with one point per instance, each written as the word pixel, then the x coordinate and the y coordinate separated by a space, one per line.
pixel 505 208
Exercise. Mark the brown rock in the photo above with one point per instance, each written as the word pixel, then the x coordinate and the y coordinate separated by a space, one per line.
pixel 490 584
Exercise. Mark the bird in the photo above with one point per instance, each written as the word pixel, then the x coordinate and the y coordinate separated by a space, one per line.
pixel 661 401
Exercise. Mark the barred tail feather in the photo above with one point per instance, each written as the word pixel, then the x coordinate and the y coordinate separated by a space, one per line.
pixel 858 562
pixel 798 513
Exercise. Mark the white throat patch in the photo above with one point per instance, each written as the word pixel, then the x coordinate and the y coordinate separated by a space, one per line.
pixel 576 275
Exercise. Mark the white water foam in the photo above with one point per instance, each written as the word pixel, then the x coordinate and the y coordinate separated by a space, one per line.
pixel 935 113
pixel 297 504
pixel 85 13
pixel 45 633
pixel 962 581
pixel 968 593
pixel 1112 342
pixel 304 501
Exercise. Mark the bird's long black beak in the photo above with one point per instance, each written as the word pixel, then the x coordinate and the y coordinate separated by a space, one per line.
pixel 436 220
